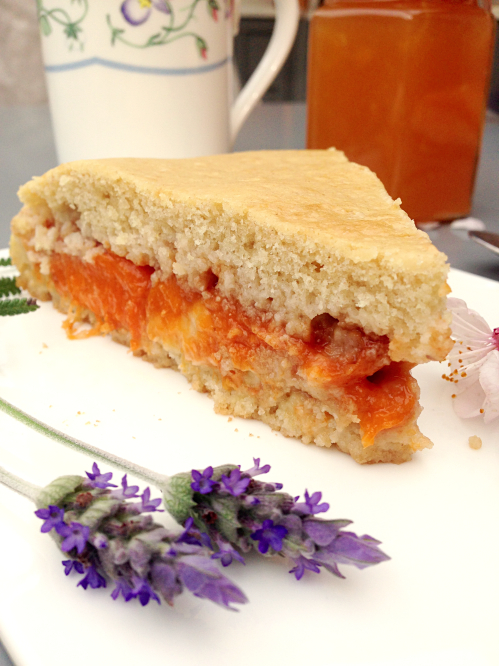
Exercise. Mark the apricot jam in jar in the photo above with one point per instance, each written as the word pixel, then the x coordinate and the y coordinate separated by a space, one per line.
pixel 401 87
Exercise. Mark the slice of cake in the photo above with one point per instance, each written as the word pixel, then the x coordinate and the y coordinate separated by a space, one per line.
pixel 287 284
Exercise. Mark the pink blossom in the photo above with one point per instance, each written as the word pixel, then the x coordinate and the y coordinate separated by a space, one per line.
pixel 473 363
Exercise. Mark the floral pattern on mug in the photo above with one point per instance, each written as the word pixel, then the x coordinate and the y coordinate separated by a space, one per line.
pixel 69 19
pixel 137 12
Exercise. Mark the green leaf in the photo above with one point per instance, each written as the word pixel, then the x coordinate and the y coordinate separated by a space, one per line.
pixel 226 509
pixel 15 306
pixel 71 30
pixel 154 40
pixel 99 509
pixel 177 496
pixel 57 490
pixel 6 262
pixel 115 32
pixel 45 27
pixel 8 286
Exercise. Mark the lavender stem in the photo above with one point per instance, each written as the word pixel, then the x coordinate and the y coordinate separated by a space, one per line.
pixel 142 472
pixel 25 488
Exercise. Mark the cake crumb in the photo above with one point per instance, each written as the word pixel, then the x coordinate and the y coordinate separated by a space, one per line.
pixel 251 434
pixel 44 345
pixel 236 430
pixel 475 442
pixel 229 419
pixel 88 423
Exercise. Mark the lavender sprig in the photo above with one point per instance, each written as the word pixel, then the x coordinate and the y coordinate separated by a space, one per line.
pixel 231 508
pixel 108 539
pixel 241 514
pixel 114 541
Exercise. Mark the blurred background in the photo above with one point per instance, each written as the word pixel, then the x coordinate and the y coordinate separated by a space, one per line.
pixel 21 69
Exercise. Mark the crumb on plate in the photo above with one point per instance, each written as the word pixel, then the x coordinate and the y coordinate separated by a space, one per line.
pixel 475 442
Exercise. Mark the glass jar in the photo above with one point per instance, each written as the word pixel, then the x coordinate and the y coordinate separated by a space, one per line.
pixel 401 87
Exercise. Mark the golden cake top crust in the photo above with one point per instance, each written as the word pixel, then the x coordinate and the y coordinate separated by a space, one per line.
pixel 296 233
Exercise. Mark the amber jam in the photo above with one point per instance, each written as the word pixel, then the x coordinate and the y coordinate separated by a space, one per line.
pixel 401 87
pixel 207 328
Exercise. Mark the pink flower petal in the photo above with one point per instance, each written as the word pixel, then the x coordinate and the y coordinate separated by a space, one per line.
pixel 463 384
pixel 473 364
pixel 489 381
pixel 469 403
pixel 467 324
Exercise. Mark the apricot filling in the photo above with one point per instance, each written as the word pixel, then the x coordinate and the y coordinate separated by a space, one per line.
pixel 206 328
pixel 111 287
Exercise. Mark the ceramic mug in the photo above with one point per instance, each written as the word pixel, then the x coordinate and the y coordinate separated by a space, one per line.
pixel 151 78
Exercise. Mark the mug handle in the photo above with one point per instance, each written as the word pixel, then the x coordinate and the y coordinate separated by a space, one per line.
pixel 283 37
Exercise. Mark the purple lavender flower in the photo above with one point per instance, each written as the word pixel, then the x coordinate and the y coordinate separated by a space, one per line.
pixel 311 504
pixel 240 513
pixel 227 554
pixel 122 588
pixel 99 480
pixel 348 548
pixel 269 535
pixel 148 504
pixel 126 492
pixel 75 536
pixel 205 580
pixel 111 540
pixel 302 564
pixel 52 515
pixel 235 484
pixel 144 592
pixel 164 578
pixel 70 565
pixel 192 535
pixel 256 469
pixel 92 578
pixel 323 532
pixel 203 482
